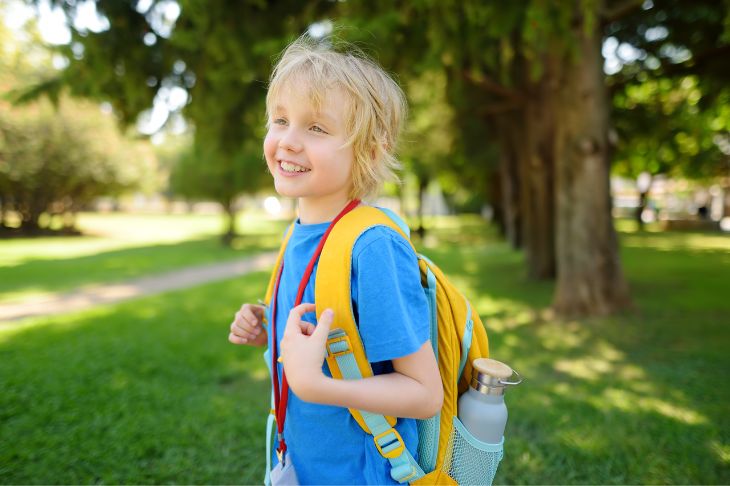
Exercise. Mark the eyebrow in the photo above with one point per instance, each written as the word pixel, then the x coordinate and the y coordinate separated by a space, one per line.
pixel 324 115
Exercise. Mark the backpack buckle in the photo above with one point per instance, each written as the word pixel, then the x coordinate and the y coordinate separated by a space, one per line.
pixel 390 444
pixel 338 344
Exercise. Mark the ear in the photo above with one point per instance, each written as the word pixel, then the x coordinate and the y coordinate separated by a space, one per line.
pixel 374 149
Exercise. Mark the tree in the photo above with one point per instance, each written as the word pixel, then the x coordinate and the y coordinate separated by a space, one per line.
pixel 428 139
pixel 219 54
pixel 532 72
pixel 537 66
pixel 55 160
pixel 663 130
pixel 669 83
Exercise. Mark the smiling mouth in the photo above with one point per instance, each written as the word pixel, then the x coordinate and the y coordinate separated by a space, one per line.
pixel 292 168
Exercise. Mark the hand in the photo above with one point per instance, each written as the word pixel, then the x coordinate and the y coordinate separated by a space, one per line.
pixel 246 327
pixel 303 350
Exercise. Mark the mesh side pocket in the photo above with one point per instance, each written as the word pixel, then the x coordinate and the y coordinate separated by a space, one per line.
pixel 468 460
pixel 428 442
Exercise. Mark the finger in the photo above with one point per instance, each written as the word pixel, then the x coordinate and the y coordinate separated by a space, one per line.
pixel 323 325
pixel 243 319
pixel 302 309
pixel 259 310
pixel 294 325
pixel 237 339
pixel 241 329
pixel 250 321
pixel 306 327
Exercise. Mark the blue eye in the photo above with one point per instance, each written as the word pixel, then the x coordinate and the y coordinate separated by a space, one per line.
pixel 317 129
pixel 280 121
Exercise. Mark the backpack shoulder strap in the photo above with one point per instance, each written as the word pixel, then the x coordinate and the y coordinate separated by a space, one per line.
pixel 274 273
pixel 345 352
pixel 333 288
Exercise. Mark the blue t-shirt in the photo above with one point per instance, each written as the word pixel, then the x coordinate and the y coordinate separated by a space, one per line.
pixel 325 444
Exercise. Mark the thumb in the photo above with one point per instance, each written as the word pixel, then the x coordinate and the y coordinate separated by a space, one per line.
pixel 323 324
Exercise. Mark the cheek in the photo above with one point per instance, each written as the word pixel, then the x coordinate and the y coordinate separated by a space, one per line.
pixel 349 163
pixel 270 145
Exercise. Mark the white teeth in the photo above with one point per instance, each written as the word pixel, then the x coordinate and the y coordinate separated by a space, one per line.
pixel 292 167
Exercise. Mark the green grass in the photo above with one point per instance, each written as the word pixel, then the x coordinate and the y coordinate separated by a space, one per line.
pixel 150 391
pixel 117 247
pixel 144 392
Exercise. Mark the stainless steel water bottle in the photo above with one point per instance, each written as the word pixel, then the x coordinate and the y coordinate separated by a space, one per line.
pixel 482 409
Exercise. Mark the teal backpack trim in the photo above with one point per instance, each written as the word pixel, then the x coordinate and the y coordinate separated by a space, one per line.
pixel 466 340
pixel 397 220
pixel 431 294
pixel 404 467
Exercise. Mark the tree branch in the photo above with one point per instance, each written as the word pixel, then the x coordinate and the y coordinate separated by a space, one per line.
pixel 488 84
pixel 499 108
pixel 620 11
pixel 697 64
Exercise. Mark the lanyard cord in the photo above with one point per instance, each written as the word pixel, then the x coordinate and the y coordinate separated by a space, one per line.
pixel 281 397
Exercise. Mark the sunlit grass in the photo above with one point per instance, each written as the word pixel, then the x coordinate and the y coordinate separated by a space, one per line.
pixel 151 392
pixel 138 245
pixel 102 232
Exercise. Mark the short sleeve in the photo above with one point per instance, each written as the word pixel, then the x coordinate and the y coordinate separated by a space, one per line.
pixel 388 299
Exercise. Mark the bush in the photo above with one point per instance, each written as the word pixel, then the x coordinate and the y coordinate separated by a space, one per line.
pixel 54 160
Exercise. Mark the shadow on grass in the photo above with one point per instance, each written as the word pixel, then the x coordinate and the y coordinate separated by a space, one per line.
pixel 629 399
pixel 150 391
pixel 54 275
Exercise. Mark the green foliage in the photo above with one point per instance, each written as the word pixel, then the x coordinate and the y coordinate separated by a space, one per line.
pixel 56 160
pixel 670 102
pixel 675 39
pixel 663 129
pixel 428 139
pixel 202 173
pixel 219 52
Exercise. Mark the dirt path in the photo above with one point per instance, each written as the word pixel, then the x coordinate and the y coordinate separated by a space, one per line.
pixel 87 297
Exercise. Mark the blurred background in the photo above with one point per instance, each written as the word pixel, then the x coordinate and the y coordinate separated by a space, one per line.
pixel 567 163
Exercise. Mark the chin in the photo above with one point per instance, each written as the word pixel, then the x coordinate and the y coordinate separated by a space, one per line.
pixel 284 191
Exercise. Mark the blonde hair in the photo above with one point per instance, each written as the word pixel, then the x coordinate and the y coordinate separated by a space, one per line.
pixel 375 113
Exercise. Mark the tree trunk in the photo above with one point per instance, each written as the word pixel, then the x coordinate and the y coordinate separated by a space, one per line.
pixel 537 160
pixel 495 199
pixel 643 196
pixel 590 279
pixel 230 233
pixel 422 186
pixel 400 190
pixel 69 219
pixel 3 212
pixel 509 179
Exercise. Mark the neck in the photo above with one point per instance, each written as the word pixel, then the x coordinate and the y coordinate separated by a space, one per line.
pixel 322 210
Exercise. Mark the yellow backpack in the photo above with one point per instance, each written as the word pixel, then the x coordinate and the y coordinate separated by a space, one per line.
pixel 447 454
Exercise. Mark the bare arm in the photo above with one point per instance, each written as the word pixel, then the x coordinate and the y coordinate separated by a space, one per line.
pixel 414 389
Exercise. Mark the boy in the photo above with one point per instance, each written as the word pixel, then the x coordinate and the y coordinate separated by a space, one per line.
pixel 333 122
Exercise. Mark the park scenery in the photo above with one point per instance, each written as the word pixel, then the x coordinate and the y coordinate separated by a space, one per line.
pixel 566 164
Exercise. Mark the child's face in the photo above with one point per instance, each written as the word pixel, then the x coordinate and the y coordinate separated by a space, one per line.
pixel 304 149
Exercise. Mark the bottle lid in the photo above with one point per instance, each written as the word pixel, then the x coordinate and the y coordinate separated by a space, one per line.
pixel 492 367
pixel 489 376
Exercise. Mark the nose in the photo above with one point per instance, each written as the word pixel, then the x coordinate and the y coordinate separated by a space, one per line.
pixel 290 141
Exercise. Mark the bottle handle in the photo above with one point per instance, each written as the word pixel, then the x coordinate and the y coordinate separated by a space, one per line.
pixel 519 376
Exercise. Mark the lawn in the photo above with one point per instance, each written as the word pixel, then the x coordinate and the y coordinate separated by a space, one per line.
pixel 149 391
pixel 117 247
